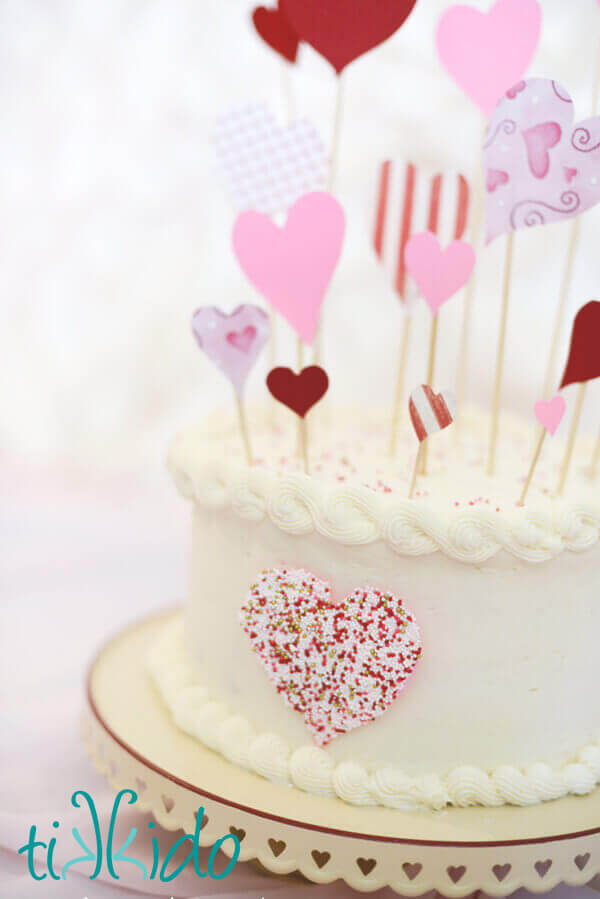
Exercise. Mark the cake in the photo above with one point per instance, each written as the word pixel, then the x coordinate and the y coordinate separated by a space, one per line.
pixel 477 618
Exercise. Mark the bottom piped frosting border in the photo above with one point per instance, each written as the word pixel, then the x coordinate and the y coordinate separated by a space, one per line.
pixel 313 770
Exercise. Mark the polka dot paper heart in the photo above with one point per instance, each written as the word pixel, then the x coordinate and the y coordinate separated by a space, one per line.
pixel 233 342
pixel 339 665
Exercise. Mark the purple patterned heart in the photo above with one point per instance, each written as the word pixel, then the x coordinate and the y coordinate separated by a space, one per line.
pixel 540 165
pixel 233 342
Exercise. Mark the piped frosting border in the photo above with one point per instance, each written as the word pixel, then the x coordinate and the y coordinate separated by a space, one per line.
pixel 312 769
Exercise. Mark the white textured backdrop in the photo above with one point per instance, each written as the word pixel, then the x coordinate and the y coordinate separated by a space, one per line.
pixel 115 224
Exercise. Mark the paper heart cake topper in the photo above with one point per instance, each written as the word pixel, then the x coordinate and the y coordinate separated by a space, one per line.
pixel 342 30
pixel 540 166
pixel 292 266
pixel 275 30
pixel 340 665
pixel 583 363
pixel 266 166
pixel 486 53
pixel 431 412
pixel 550 413
pixel 438 273
pixel 410 200
pixel 233 342
pixel 299 392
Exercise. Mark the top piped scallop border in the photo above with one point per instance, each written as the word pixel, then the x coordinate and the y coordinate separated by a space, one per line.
pixel 299 504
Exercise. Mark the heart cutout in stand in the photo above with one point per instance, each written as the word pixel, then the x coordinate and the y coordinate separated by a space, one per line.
pixel 340 665
pixel 583 363
pixel 549 162
pixel 299 392
pixel 275 30
pixel 487 52
pixel 343 30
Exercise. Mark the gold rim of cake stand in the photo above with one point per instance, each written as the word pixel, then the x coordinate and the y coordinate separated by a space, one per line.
pixel 132 740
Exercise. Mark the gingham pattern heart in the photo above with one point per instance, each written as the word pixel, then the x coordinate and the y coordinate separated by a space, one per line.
pixel 340 665
pixel 268 167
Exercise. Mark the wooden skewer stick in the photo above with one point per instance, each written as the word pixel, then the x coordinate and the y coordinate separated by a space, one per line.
pixel 534 462
pixel 244 429
pixel 500 355
pixel 565 289
pixel 302 432
pixel 333 164
pixel 566 463
pixel 398 396
pixel 595 459
pixel 300 360
pixel 430 376
pixel 413 480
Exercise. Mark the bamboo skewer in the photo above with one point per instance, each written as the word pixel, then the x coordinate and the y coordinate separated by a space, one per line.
pixel 244 429
pixel 500 354
pixel 418 459
pixel 303 444
pixel 566 463
pixel 534 462
pixel 430 376
pixel 400 382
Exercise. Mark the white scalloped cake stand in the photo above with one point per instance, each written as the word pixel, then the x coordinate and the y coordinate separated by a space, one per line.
pixel 132 740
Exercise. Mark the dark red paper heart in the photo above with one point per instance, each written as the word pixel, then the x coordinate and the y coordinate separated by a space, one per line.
pixel 299 392
pixel 583 363
pixel 275 30
pixel 342 30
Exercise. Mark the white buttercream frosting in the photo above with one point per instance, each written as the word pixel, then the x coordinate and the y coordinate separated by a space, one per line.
pixel 313 770
pixel 357 495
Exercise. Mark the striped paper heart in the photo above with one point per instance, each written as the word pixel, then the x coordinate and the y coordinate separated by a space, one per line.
pixel 431 412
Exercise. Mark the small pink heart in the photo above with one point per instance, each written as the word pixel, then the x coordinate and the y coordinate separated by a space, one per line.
pixel 538 141
pixel 242 340
pixel 233 342
pixel 495 178
pixel 549 414
pixel 486 53
pixel 517 89
pixel 570 174
pixel 292 266
pixel 438 274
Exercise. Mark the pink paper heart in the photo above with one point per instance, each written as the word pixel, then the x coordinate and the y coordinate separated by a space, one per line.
pixel 340 665
pixel 549 414
pixel 438 273
pixel 486 53
pixel 292 266
pixel 494 179
pixel 533 137
pixel 233 342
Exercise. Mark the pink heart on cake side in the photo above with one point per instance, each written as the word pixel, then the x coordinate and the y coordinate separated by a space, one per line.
pixel 233 342
pixel 291 266
pixel 339 665
pixel 550 413
pixel 438 273
pixel 551 165
pixel 486 53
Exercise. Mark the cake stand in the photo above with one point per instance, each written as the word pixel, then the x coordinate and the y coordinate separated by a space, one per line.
pixel 132 740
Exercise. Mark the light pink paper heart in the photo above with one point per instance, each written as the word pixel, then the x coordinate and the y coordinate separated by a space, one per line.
pixel 292 266
pixel 340 665
pixel 486 53
pixel 438 273
pixel 549 414
pixel 268 167
pixel 233 342
pixel 552 163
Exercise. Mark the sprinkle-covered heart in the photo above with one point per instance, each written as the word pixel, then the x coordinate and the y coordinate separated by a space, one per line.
pixel 339 665
pixel 550 413
pixel 233 342
pixel 299 392
pixel 431 412
pixel 551 163
pixel 276 31
pixel 292 266
pixel 487 52
pixel 438 273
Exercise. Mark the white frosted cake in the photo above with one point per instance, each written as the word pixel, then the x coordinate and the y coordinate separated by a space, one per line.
pixel 351 642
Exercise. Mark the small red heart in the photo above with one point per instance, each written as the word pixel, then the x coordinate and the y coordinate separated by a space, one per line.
pixel 342 30
pixel 299 392
pixel 242 340
pixel 583 363
pixel 275 30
